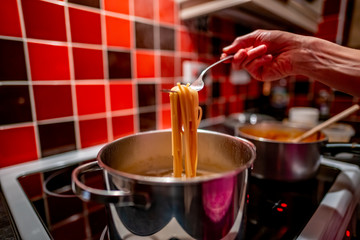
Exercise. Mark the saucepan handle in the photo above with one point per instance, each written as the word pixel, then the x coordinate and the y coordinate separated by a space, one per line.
pixel 335 148
pixel 121 197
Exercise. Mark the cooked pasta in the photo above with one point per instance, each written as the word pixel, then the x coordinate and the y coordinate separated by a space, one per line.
pixel 185 118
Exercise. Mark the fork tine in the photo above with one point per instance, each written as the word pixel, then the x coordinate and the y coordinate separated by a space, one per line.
pixel 198 84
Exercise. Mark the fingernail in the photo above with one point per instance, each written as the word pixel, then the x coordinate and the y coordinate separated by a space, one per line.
pixel 268 57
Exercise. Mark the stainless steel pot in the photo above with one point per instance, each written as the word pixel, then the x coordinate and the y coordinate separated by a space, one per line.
pixel 204 207
pixel 284 160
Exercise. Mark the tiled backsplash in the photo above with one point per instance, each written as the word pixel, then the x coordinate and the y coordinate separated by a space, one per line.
pixel 78 73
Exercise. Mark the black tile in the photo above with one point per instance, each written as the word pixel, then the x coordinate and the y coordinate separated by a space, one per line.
pixel 342 94
pixel 204 108
pixel 57 138
pixel 331 7
pixel 241 29
pixel 203 44
pixel 302 87
pixel 89 3
pixel 14 104
pixel 253 104
pixel 167 39
pixel 119 65
pixel 144 34
pixel 147 121
pixel 216 89
pixel 216 46
pixel 146 95
pixel 12 60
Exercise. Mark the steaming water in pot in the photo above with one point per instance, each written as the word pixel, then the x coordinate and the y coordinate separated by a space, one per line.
pixel 153 168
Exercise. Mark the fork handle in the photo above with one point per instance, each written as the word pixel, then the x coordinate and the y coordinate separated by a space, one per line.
pixel 216 63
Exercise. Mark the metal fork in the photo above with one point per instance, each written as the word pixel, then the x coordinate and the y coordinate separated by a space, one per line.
pixel 198 84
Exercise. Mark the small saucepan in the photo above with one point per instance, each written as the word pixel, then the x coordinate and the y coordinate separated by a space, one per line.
pixel 278 158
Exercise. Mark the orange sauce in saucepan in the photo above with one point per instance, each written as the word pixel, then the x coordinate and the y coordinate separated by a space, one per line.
pixel 281 135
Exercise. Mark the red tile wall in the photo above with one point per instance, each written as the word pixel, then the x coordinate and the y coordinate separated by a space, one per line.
pixel 43 20
pixel 18 145
pixel 95 71
pixel 9 14
pixel 52 101
pixel 48 61
pixel 88 63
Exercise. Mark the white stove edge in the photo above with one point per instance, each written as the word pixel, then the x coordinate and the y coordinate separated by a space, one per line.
pixel 337 206
pixel 344 192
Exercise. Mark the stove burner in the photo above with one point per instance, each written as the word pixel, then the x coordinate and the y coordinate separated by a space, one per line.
pixel 64 215
pixel 51 184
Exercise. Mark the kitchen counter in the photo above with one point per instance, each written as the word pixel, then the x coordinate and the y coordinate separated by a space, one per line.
pixel 6 227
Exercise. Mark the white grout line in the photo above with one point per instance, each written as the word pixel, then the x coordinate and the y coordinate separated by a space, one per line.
pixel 72 76
pixel 157 64
pixel 136 118
pixel 29 81
pixel 106 72
pixel 16 125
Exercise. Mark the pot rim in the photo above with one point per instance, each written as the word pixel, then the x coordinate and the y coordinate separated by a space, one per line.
pixel 173 180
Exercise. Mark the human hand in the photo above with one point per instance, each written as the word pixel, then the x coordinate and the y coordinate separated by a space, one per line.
pixel 266 55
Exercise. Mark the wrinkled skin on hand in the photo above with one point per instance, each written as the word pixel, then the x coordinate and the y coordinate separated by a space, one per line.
pixel 266 55
pixel 272 55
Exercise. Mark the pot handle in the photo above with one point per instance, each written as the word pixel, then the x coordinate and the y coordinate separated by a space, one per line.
pixel 334 148
pixel 122 197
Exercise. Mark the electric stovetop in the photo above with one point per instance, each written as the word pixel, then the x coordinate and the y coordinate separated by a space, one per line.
pixel 42 205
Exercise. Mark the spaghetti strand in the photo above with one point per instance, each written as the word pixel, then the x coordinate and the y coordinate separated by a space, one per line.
pixel 185 119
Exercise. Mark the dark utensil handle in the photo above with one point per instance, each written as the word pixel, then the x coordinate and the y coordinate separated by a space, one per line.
pixel 335 148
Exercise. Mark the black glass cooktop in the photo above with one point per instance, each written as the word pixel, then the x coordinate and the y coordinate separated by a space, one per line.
pixel 275 210
pixel 280 210
pixel 63 214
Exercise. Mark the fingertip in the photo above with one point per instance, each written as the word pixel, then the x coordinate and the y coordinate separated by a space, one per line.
pixel 227 48
pixel 239 58
pixel 240 55
pixel 257 51
pixel 267 58
pixel 264 47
